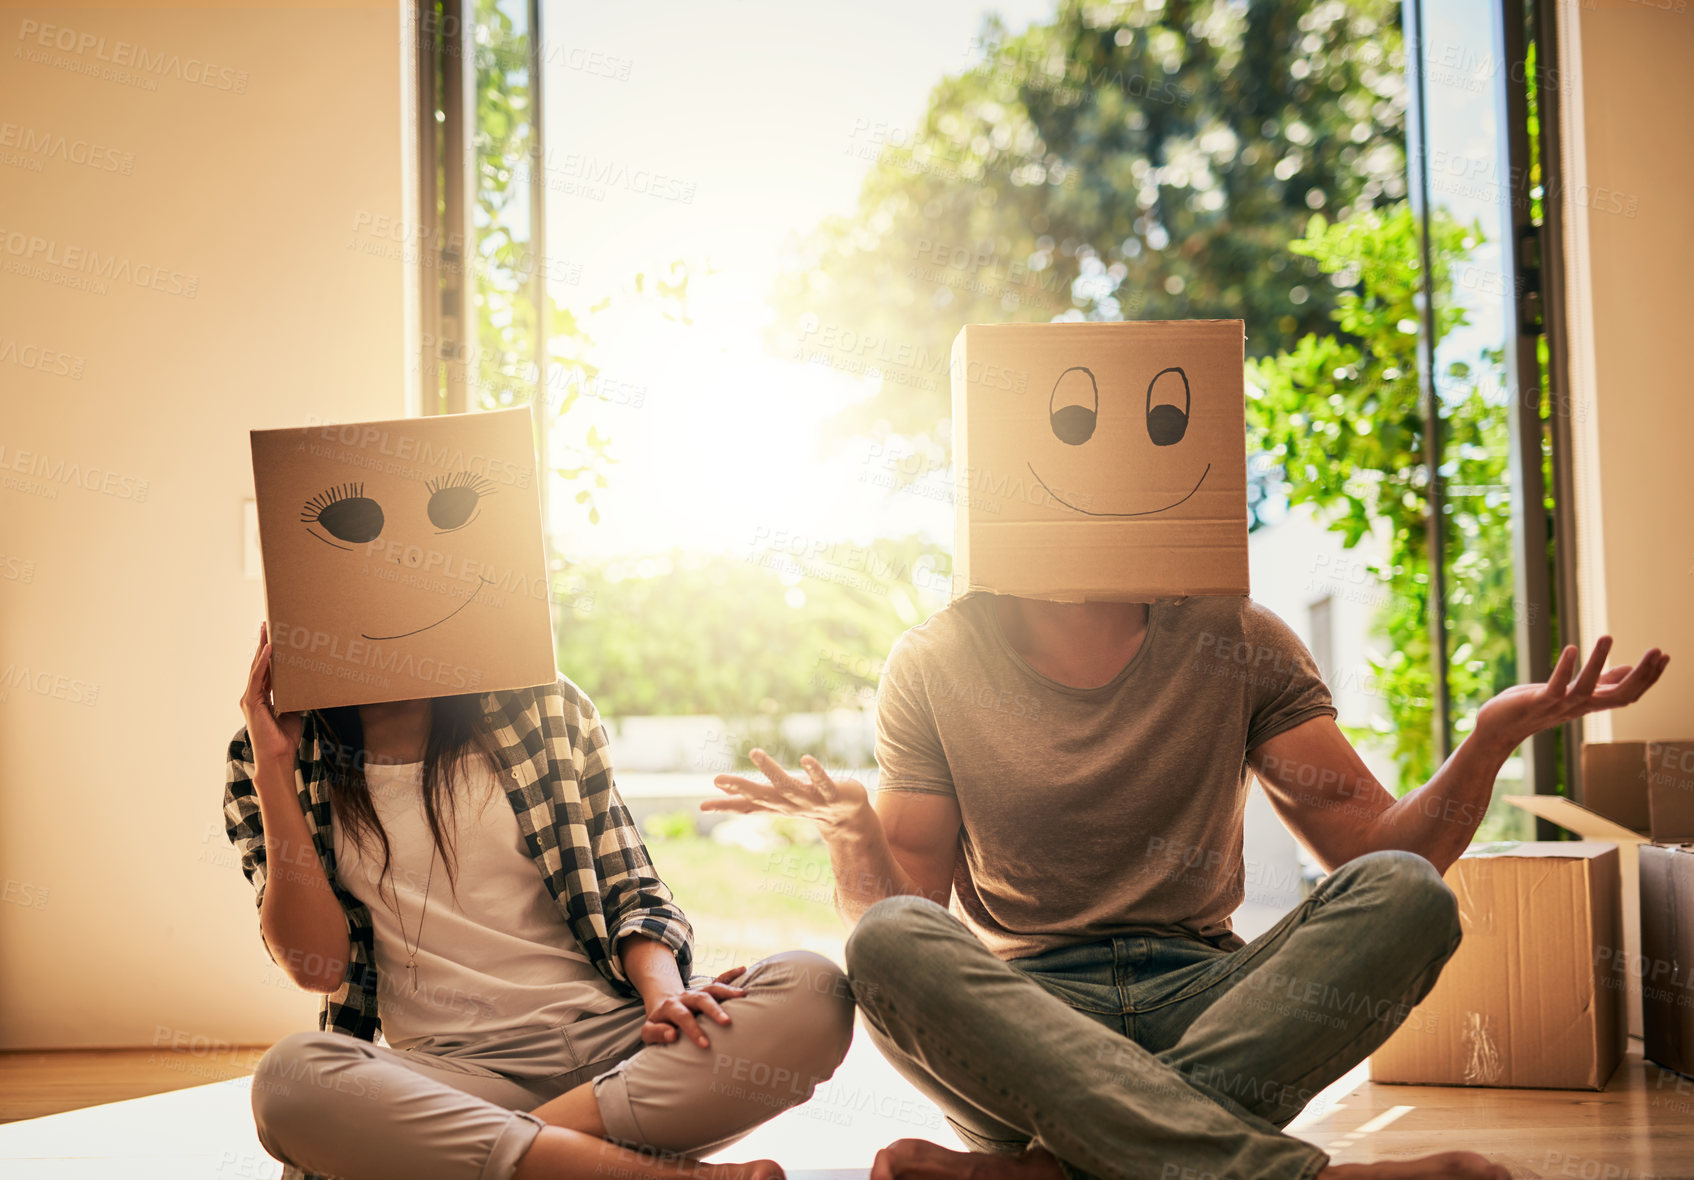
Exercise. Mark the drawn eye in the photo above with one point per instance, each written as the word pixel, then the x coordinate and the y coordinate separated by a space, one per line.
pixel 1166 422
pixel 453 499
pixel 345 512
pixel 1074 408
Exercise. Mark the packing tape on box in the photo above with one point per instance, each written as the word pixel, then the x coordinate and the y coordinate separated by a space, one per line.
pixel 1484 1063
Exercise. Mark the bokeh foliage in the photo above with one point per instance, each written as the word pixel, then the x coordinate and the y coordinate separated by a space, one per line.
pixel 1341 413
pixel 1125 160
pixel 749 637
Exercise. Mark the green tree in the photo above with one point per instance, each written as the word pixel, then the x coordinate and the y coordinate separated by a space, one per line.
pixel 1340 411
pixel 1124 160
pixel 504 263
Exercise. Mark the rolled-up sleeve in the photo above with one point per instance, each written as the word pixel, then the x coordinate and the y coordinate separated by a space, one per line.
pixel 242 821
pixel 633 898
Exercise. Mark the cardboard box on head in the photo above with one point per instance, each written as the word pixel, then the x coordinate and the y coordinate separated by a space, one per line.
pixel 1100 461
pixel 403 559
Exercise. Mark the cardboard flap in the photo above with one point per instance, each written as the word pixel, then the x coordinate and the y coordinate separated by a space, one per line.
pixel 1574 817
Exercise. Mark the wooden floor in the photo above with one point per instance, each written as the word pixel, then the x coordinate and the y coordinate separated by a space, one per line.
pixel 1641 1127
pixel 37 1084
pixel 140 1114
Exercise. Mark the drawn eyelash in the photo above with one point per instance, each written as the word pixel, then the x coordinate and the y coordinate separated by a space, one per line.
pixel 481 485
pixel 345 513
pixel 329 498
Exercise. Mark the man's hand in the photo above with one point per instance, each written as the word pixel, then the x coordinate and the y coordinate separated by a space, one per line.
pixel 672 1013
pixel 911 852
pixel 1524 710
pixel 834 805
pixel 1324 791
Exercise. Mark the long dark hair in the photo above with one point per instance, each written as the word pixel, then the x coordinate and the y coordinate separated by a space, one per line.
pixel 457 727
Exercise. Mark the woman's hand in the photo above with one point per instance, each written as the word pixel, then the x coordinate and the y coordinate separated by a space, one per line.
pixel 832 804
pixel 274 738
pixel 669 1014
pixel 1524 710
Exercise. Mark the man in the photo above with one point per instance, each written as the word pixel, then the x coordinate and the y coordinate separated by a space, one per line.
pixel 1074 775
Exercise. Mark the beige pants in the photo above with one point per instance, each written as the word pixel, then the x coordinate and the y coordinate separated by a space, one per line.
pixel 340 1106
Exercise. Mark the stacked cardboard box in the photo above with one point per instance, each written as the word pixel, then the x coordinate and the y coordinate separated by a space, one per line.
pixel 1645 786
pixel 1633 793
pixel 1533 997
pixel 1667 954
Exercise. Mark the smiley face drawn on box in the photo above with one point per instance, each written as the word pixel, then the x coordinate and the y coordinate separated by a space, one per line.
pixel 403 558
pixel 1100 461
pixel 1073 413
pixel 344 517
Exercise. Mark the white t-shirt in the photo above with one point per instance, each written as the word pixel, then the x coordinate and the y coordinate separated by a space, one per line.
pixel 498 957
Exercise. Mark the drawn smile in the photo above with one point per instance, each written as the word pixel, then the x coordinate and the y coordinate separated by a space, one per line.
pixel 481 582
pixel 1149 512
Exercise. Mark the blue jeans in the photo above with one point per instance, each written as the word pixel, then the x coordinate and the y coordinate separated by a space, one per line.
pixel 1165 1058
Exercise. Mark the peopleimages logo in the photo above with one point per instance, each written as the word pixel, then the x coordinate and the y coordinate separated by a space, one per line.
pixel 42 474
pixel 29 254
pixel 126 55
pixel 366 662
pixel 53 145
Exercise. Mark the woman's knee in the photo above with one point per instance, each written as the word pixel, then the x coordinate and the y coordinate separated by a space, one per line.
pixel 295 1077
pixel 787 1036
pixel 812 1016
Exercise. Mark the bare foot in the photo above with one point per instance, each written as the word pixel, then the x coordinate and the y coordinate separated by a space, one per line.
pixel 1445 1165
pixel 919 1159
pixel 560 1151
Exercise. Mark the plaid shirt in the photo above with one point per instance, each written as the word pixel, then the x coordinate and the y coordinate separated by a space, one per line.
pixel 558 779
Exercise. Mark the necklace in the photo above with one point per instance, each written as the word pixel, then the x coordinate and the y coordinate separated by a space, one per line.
pixel 412 947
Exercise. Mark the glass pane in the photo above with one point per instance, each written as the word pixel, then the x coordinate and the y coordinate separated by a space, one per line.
pixel 500 370
pixel 1472 284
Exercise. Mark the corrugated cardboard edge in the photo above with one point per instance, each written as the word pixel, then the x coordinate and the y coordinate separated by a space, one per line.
pixel 960 381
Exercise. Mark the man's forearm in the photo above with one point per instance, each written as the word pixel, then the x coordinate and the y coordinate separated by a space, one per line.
pixel 864 865
pixel 1438 819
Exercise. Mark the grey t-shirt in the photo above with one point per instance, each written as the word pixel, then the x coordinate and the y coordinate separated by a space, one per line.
pixel 1089 813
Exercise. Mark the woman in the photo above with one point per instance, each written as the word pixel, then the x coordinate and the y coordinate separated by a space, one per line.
pixel 527 968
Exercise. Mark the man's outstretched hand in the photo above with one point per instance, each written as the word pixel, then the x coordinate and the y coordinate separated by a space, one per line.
pixel 1524 710
pixel 830 802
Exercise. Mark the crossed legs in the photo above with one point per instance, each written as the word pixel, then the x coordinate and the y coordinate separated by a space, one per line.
pixel 1019 1071
pixel 330 1104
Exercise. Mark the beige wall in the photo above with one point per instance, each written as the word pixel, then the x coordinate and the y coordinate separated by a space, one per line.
pixel 126 623
pixel 1629 93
